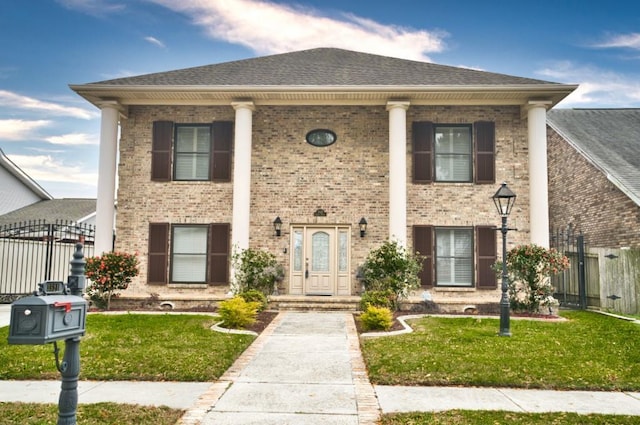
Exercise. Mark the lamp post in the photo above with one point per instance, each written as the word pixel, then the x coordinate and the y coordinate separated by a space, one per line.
pixel 504 200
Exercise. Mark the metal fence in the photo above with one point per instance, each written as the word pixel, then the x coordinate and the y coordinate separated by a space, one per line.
pixel 579 286
pixel 35 251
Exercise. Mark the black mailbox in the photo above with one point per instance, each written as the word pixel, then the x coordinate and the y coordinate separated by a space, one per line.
pixel 40 319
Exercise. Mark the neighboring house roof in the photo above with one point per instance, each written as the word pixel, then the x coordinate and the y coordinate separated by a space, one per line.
pixel 77 210
pixel 608 138
pixel 17 189
pixel 304 75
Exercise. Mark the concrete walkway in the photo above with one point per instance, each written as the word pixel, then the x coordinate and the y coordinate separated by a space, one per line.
pixel 306 368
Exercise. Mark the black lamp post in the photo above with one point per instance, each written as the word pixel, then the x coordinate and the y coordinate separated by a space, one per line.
pixel 504 200
pixel 277 226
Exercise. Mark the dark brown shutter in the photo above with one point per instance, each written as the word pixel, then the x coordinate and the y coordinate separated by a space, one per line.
pixel 222 136
pixel 158 253
pixel 486 256
pixel 422 148
pixel 423 243
pixel 219 254
pixel 161 151
pixel 485 135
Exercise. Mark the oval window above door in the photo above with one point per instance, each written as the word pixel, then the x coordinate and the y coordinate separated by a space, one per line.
pixel 321 137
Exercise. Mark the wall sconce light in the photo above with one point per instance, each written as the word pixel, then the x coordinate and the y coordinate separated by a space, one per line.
pixel 277 226
pixel 363 227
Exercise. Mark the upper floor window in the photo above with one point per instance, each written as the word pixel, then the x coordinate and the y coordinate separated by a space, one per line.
pixel 453 152
pixel 191 151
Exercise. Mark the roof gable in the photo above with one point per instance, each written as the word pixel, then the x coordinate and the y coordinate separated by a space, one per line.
pixel 608 138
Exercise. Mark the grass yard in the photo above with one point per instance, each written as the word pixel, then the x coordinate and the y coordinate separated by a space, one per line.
pixel 138 347
pixel 589 351
pixel 88 414
pixel 467 417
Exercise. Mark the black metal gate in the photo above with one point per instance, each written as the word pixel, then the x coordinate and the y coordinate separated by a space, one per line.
pixel 579 286
pixel 35 251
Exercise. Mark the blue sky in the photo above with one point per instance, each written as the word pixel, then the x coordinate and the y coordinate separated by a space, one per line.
pixel 52 134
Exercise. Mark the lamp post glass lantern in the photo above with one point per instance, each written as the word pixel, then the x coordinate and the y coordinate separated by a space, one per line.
pixel 504 199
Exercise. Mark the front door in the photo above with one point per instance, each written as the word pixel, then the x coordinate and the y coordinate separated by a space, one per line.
pixel 320 260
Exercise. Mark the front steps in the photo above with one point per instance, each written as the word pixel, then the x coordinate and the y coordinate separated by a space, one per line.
pixel 314 303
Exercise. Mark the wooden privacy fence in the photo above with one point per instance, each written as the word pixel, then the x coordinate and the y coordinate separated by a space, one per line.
pixel 35 251
pixel 619 271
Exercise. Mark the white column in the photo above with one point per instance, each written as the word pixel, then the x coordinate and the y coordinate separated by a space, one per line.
pixel 105 209
pixel 538 181
pixel 398 171
pixel 242 175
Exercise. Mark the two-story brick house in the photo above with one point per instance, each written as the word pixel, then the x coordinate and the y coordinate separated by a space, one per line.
pixel 210 156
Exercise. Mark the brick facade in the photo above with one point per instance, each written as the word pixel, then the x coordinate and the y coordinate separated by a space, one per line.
pixel 292 179
pixel 581 195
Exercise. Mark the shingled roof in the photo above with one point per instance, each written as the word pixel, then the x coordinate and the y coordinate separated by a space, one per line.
pixel 608 138
pixel 323 67
pixel 52 210
pixel 333 74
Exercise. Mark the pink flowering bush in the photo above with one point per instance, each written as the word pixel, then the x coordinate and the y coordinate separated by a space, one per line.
pixel 529 268
pixel 110 273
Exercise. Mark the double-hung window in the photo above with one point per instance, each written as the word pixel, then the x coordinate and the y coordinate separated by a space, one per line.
pixel 453 152
pixel 188 253
pixel 191 152
pixel 454 256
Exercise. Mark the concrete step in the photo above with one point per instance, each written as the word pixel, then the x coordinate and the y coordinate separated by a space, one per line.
pixel 314 303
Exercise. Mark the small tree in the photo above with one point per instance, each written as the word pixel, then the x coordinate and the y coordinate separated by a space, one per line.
pixel 529 268
pixel 256 269
pixel 392 268
pixel 110 273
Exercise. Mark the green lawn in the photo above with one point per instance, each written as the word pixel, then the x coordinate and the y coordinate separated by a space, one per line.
pixel 466 417
pixel 138 347
pixel 88 414
pixel 589 351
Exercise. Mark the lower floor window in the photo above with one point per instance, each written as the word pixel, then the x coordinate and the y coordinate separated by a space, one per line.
pixel 189 254
pixel 454 257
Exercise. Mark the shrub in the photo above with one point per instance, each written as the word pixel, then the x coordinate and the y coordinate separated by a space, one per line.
pixel 392 267
pixel 109 273
pixel 382 298
pixel 253 295
pixel 237 313
pixel 256 269
pixel 529 268
pixel 376 318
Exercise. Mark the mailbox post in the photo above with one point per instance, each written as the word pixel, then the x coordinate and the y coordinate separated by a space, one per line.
pixel 51 315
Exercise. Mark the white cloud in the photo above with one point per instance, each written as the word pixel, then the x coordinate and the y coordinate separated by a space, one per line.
pixel 73 139
pixel 629 41
pixel 45 168
pixel 20 129
pixel 598 87
pixel 155 41
pixel 268 27
pixel 93 7
pixel 14 100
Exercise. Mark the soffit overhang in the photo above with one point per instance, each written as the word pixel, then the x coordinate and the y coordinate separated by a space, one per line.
pixel 521 95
